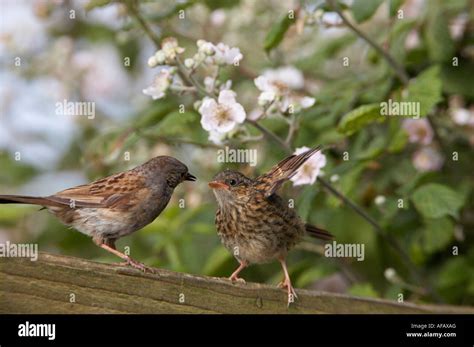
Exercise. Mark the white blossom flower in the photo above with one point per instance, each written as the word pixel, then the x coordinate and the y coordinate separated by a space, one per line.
pixel 170 48
pixel 427 159
pixel 310 170
pixel 390 274
pixel 418 130
pixel 160 84
pixel 224 54
pixel 218 17
pixel 280 80
pixel 412 40
pixel 279 85
pixel 458 26
pixel 205 47
pixel 331 19
pixel 221 115
pixel 463 116
pixel 379 200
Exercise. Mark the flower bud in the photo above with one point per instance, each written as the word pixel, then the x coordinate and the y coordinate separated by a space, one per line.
pixel 152 62
pixel 160 57
pixel 379 200
pixel 189 63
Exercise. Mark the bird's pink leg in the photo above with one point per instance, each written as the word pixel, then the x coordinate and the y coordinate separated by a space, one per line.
pixel 287 283
pixel 234 277
pixel 128 261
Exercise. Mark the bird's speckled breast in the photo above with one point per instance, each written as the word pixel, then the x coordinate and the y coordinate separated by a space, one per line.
pixel 259 230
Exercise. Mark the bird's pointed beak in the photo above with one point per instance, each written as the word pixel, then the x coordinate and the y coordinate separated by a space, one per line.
pixel 190 177
pixel 218 185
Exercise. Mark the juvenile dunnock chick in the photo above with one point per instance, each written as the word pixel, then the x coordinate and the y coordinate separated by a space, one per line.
pixel 117 205
pixel 254 223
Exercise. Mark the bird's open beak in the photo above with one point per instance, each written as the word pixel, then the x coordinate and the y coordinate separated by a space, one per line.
pixel 190 177
pixel 218 185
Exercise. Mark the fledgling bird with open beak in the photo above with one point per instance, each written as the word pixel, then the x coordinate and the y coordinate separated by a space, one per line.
pixel 117 205
pixel 254 223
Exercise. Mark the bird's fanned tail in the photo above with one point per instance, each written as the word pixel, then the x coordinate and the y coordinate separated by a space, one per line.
pixel 22 199
pixel 318 232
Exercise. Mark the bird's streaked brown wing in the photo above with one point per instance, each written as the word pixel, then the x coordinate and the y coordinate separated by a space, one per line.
pixel 112 191
pixel 284 170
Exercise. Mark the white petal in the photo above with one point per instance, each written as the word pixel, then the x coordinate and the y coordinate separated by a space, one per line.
pixel 153 92
pixel 225 126
pixel 227 97
pixel 300 150
pixel 263 84
pixel 208 106
pixel 307 102
pixel 237 113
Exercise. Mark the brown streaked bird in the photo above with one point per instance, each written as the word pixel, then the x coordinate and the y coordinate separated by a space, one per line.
pixel 254 223
pixel 117 205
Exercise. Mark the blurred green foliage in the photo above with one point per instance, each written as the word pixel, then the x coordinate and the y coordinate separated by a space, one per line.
pixel 435 223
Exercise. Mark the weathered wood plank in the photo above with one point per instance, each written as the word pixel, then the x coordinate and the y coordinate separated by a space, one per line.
pixel 47 286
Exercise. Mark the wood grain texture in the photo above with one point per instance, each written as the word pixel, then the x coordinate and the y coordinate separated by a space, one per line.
pixel 46 285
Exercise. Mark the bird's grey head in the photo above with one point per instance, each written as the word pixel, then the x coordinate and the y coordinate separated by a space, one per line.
pixel 168 168
pixel 230 186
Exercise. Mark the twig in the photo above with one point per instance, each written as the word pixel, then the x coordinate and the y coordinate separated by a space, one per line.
pixel 133 8
pixel 293 128
pixel 399 70
pixel 270 134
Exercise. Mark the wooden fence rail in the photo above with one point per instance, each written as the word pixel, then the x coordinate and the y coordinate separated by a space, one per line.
pixel 59 284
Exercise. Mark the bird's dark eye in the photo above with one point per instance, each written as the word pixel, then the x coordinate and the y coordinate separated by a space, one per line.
pixel 232 182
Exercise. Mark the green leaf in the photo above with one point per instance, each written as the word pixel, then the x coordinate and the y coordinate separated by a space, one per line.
pixel 438 39
pixel 437 234
pixel 454 78
pixel 398 141
pixel 453 278
pixel 364 9
pixel 277 32
pixel 434 200
pixel 398 35
pixel 375 147
pixel 425 90
pixel 176 123
pixel 360 117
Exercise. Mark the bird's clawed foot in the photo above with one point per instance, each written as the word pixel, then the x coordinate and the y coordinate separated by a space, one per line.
pixel 136 265
pixel 235 278
pixel 292 296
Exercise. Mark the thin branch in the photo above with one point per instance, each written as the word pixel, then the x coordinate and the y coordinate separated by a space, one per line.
pixel 399 70
pixel 271 135
pixel 133 8
pixel 292 130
